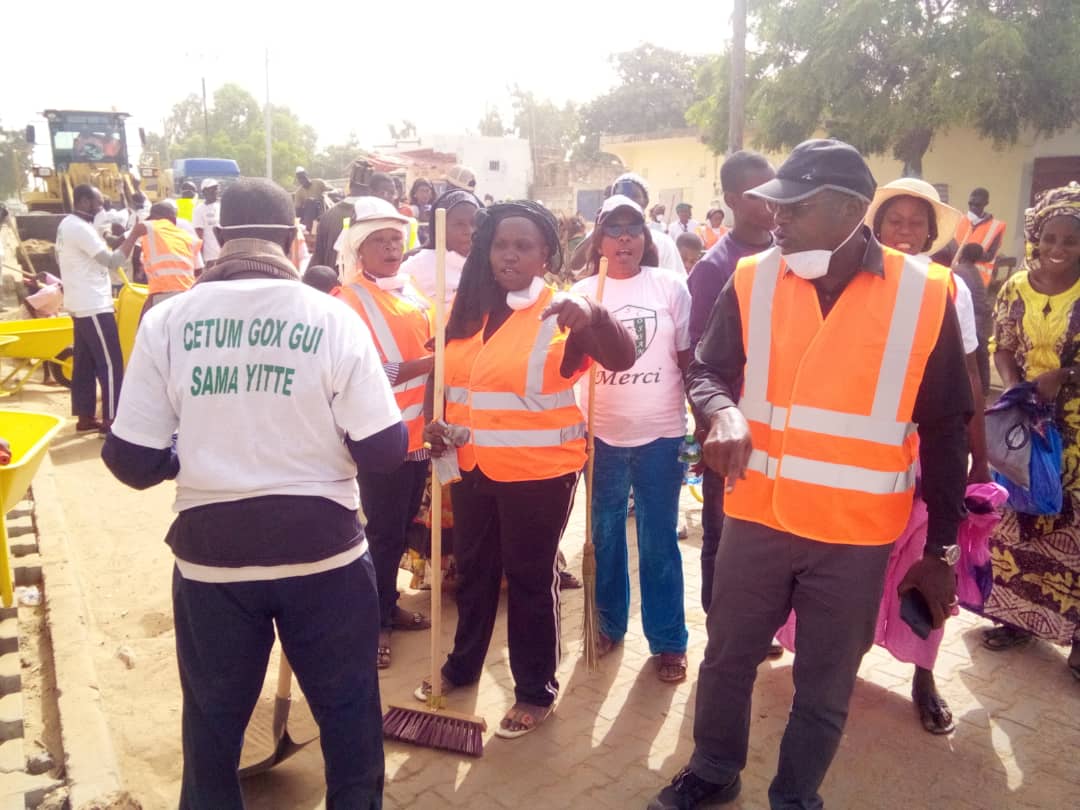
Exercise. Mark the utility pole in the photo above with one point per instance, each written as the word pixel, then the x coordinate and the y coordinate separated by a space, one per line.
pixel 269 124
pixel 205 121
pixel 737 94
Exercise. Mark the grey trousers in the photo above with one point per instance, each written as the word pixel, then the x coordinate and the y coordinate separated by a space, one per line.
pixel 760 575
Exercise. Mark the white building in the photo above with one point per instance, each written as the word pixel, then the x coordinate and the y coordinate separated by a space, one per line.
pixel 503 166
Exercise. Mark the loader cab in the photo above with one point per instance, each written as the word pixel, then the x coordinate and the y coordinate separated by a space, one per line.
pixel 87 137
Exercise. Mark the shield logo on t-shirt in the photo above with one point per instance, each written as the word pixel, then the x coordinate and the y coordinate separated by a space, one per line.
pixel 642 325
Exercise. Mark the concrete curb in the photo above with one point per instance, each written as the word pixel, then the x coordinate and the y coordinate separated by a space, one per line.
pixel 91 765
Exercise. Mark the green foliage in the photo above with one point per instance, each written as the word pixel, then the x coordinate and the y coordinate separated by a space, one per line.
pixel 656 87
pixel 405 132
pixel 15 162
pixel 886 76
pixel 710 113
pixel 235 124
pixel 333 161
pixel 550 129
pixel 491 124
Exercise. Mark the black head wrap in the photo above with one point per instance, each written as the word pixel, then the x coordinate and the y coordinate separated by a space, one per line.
pixel 448 200
pixel 478 293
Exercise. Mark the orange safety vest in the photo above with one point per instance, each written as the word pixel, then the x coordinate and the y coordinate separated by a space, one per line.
pixel 524 421
pixel 829 400
pixel 984 233
pixel 169 254
pixel 401 323
pixel 709 236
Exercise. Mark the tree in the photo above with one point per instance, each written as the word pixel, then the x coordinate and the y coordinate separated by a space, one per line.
pixel 407 130
pixel 236 126
pixel 16 160
pixel 656 86
pixel 886 76
pixel 492 125
pixel 333 161
pixel 549 128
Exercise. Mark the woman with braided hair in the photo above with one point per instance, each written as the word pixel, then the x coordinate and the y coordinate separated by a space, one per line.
pixel 514 349
pixel 1036 590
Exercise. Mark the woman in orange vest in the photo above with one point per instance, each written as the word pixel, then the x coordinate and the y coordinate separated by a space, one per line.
pixel 514 349
pixel 713 228
pixel 400 320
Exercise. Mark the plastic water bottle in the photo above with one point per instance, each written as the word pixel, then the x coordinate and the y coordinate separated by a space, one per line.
pixel 690 450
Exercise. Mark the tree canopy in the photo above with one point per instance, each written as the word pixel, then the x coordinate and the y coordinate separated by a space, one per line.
pixel 15 162
pixel 235 126
pixel 886 76
pixel 656 87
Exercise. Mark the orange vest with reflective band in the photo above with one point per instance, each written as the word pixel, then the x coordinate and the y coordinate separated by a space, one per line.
pixel 169 254
pixel 401 323
pixel 524 421
pixel 829 400
pixel 984 233
pixel 709 236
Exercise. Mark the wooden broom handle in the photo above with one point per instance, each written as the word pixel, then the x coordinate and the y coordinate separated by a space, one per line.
pixel 284 677
pixel 436 485
pixel 601 277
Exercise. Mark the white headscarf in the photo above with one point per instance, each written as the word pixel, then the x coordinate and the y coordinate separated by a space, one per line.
pixel 371 214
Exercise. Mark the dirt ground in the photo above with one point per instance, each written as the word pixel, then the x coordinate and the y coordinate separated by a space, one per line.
pixel 617 735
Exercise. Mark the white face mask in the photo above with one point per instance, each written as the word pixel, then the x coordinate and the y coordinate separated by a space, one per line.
pixel 395 282
pixel 523 299
pixel 811 264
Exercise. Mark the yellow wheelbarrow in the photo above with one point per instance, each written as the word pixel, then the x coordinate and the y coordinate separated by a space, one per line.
pixel 29 435
pixel 38 341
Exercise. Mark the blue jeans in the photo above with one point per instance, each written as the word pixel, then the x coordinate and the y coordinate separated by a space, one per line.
pixel 655 473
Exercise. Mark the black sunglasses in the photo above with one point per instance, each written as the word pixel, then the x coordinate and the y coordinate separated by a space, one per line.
pixel 615 231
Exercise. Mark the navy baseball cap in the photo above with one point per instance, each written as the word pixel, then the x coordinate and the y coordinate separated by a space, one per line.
pixel 816 165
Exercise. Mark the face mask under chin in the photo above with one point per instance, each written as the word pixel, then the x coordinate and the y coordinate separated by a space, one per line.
pixel 523 299
pixel 812 264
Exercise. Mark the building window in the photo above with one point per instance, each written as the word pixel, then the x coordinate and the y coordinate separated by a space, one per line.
pixel 493 165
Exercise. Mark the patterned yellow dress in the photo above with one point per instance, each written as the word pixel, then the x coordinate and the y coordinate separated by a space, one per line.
pixel 1036 559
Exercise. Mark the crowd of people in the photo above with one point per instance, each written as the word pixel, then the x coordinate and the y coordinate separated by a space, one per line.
pixel 836 470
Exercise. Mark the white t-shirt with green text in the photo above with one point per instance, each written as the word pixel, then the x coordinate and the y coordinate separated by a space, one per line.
pixel 261 379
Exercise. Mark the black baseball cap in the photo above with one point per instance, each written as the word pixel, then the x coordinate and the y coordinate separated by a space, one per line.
pixel 816 165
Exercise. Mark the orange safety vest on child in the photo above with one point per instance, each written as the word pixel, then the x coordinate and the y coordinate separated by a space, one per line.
pixel 830 400
pixel 985 233
pixel 401 323
pixel 524 421
pixel 169 254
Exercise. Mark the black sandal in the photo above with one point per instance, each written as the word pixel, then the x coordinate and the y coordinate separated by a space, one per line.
pixel 1004 638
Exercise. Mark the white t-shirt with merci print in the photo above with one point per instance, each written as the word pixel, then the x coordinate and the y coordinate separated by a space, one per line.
pixel 646 402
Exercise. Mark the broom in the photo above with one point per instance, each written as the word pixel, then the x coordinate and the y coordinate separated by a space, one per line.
pixel 436 727
pixel 591 623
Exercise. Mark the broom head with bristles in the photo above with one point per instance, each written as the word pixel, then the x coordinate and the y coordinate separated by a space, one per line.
pixel 590 630
pixel 436 728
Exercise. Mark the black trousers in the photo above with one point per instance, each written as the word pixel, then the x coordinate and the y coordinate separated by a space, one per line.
pixel 327 626
pixel 712 526
pixel 97 359
pixel 390 502
pixel 514 528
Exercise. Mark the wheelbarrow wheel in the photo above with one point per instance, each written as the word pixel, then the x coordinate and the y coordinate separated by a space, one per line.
pixel 61 371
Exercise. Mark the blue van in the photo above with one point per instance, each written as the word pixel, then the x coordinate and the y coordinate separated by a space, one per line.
pixel 198 169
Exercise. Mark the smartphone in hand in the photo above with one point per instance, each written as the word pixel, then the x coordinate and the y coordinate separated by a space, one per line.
pixel 916 613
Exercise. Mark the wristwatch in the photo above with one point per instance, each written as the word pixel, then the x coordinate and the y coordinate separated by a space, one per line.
pixel 950 555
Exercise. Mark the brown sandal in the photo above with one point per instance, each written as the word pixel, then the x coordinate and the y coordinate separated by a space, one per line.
pixel 671 667
pixel 604 645
pixel 382 657
pixel 526 715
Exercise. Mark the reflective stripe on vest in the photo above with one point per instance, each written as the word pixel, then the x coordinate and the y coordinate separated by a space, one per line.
pixel 408 394
pixel 524 420
pixel 995 228
pixel 166 269
pixel 838 473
